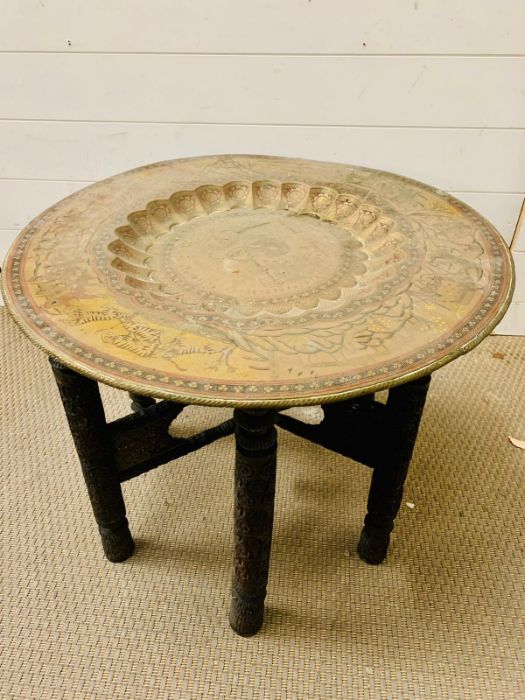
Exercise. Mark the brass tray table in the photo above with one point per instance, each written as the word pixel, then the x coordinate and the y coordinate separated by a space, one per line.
pixel 258 283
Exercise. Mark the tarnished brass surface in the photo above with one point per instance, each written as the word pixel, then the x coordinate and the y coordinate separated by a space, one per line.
pixel 252 280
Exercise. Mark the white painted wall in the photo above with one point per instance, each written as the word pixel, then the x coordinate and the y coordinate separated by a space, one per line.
pixel 433 89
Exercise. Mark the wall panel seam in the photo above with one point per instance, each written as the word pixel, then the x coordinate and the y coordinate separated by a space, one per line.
pixel 279 125
pixel 270 54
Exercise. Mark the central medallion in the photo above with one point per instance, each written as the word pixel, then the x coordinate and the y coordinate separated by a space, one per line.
pixel 250 251
pixel 255 256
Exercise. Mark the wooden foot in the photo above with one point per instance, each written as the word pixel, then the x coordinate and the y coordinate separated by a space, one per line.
pixel 85 415
pixel 255 465
pixel 401 423
pixel 373 545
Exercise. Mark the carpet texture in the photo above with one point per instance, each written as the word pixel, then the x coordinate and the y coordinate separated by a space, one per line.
pixel 443 617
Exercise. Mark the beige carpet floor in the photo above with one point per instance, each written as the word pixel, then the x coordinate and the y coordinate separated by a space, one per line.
pixel 442 618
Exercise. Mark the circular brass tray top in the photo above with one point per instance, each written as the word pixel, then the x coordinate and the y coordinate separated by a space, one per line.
pixel 257 281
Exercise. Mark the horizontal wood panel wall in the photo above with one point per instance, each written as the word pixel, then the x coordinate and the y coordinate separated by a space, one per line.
pixel 444 91
pixel 433 89
pixel 265 26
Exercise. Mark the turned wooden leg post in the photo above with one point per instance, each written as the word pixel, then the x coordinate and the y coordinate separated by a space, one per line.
pixel 255 465
pixel 403 414
pixel 139 402
pixel 85 415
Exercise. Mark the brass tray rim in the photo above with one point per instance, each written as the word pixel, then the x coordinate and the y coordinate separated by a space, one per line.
pixel 276 403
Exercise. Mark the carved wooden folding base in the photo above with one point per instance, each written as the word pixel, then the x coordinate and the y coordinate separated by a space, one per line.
pixel 378 435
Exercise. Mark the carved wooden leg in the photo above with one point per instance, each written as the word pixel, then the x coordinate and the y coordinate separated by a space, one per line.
pixel 85 415
pixel 139 402
pixel 403 413
pixel 255 464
